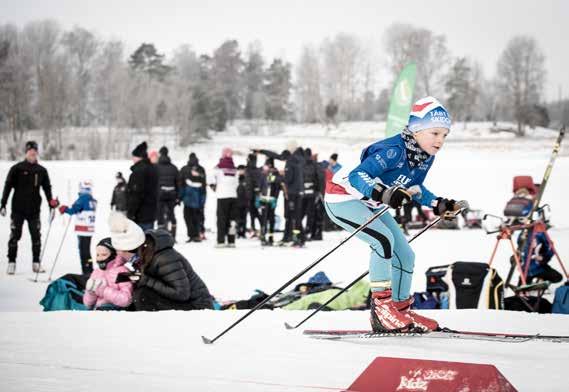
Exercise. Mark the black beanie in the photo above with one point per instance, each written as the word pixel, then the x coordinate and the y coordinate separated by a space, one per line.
pixel 163 150
pixel 31 145
pixel 140 150
pixel 106 242
pixel 334 156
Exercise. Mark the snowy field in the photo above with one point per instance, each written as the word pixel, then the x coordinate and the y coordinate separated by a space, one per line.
pixel 76 351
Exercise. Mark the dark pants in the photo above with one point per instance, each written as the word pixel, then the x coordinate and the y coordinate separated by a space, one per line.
pixel 226 216
pixel 146 226
pixel 147 300
pixel 166 213
pixel 253 213
pixel 267 221
pixel 549 274
pixel 319 214
pixel 34 226
pixel 202 220
pixel 293 216
pixel 85 254
pixel 308 211
pixel 192 217
pixel 241 221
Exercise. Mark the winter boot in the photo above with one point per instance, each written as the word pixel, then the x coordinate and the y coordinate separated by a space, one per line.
pixel 385 317
pixel 36 268
pixel 11 268
pixel 173 232
pixel 422 323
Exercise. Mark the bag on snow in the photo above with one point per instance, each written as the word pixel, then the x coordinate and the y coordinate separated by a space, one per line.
pixel 561 300
pixel 435 282
pixel 424 301
pixel 474 286
pixel 65 293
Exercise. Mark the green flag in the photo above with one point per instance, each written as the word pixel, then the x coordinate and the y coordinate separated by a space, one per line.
pixel 401 101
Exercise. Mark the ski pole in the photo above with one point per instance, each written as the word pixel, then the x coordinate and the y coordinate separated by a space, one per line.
pixel 51 218
pixel 259 305
pixel 59 249
pixel 544 181
pixel 288 326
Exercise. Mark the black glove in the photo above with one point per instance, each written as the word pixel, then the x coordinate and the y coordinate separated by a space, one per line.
pixel 394 197
pixel 3 211
pixel 447 207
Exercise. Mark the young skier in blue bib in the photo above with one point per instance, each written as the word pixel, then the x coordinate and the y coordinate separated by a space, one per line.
pixel 391 172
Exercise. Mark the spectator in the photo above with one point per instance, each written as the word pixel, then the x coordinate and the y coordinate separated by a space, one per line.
pixel 168 180
pixel 242 202
pixel 334 165
pixel 294 181
pixel 252 180
pixel 142 189
pixel 271 185
pixel 225 185
pixel 185 174
pixel 192 194
pixel 119 202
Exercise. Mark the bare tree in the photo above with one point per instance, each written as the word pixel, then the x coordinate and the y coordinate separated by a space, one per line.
pixel 521 73
pixel 81 47
pixel 308 97
pixel 462 89
pixel 15 87
pixel 405 43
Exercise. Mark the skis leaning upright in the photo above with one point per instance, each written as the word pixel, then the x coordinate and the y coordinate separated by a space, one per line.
pixel 443 333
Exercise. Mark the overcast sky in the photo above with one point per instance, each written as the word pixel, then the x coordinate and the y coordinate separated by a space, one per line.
pixel 479 29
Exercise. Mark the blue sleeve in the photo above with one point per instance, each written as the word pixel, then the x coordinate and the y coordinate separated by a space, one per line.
pixel 79 205
pixel 363 176
pixel 426 197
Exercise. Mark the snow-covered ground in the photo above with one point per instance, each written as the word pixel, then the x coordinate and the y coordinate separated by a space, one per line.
pixel 92 350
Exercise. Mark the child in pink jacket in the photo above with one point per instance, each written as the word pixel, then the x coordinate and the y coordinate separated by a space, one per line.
pixel 101 289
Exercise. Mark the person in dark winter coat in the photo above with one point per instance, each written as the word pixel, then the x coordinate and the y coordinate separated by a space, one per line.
pixel 193 195
pixel 142 189
pixel 242 202
pixel 168 180
pixel 26 178
pixel 312 189
pixel 271 184
pixel 253 179
pixel 168 281
pixel 191 172
pixel 294 181
pixel 119 199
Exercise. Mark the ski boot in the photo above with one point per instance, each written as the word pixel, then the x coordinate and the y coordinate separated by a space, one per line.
pixel 36 268
pixel 11 268
pixel 385 315
pixel 422 323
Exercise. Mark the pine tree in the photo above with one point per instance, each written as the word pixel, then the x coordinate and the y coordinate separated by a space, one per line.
pixel 278 85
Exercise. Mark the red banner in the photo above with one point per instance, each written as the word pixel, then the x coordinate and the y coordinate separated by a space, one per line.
pixel 420 375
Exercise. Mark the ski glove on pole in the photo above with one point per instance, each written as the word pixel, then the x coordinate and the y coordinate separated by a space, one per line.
pixel 394 196
pixel 445 208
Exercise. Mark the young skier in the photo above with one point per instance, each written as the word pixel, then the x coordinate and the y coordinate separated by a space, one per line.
pixel 84 210
pixel 391 173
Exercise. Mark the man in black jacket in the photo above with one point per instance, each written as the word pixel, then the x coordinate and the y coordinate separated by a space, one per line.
pixel 311 190
pixel 26 178
pixel 294 181
pixel 168 180
pixel 252 186
pixel 142 189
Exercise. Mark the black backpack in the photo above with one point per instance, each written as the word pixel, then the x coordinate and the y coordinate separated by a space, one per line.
pixel 474 286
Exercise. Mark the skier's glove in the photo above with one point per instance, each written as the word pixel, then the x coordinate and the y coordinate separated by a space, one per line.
pixel 446 208
pixel 394 197
pixel 3 211
pixel 53 203
pixel 62 209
